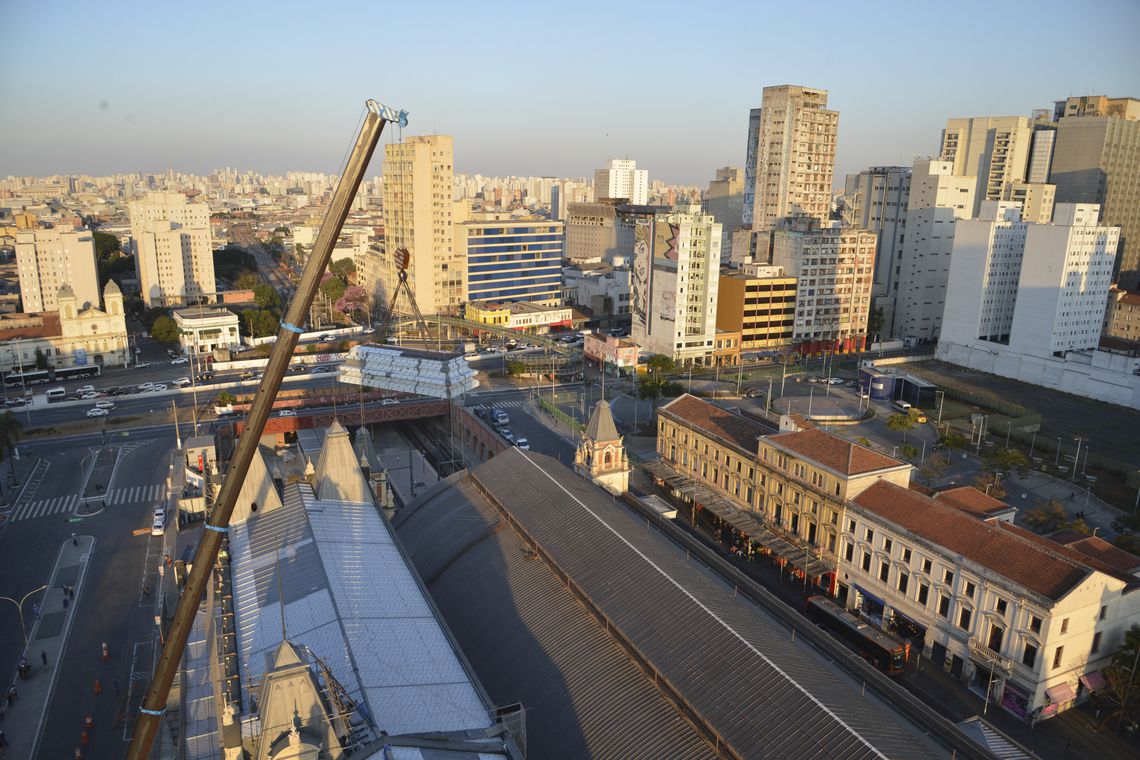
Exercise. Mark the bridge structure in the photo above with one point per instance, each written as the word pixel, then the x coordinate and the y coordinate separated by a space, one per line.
pixel 354 414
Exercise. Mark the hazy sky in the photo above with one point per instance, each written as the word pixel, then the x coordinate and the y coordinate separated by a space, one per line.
pixel 531 88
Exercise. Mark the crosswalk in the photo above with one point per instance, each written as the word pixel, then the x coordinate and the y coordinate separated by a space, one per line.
pixel 57 505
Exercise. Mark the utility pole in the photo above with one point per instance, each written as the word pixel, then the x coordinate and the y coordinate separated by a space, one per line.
pixel 150 713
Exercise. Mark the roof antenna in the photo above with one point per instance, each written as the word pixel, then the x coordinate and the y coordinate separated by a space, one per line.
pixel 280 593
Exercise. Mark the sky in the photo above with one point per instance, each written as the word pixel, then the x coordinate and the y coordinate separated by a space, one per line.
pixel 537 88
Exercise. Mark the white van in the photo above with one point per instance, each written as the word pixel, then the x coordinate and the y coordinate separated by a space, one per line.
pixel 902 406
pixel 56 393
pixel 499 417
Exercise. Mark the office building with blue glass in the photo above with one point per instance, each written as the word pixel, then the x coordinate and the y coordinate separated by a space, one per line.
pixel 513 259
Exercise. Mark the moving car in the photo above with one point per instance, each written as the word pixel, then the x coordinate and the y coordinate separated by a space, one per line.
pixel 145 386
pixel 87 396
pixel 298 368
pixel 247 375
pixel 324 368
pixel 523 443
pixel 97 412
pixel 180 360
pixel 157 387
pixel 287 413
pixel 158 524
pixel 389 402
pixel 108 405
pixel 181 382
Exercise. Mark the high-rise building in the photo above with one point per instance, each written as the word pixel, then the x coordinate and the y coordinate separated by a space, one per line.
pixel 759 302
pixel 835 267
pixel 876 199
pixel 419 215
pixel 602 232
pixel 725 201
pixel 1122 317
pixel 676 265
pixel 790 157
pixel 1041 289
pixel 620 178
pixel 937 199
pixel 512 259
pixel 46 260
pixel 1096 159
pixel 173 254
pixel 992 149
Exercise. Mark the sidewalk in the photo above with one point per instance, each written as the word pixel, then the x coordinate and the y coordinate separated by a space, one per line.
pixel 23 720
pixel 24 466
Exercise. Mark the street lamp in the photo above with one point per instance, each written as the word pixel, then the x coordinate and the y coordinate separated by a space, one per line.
pixel 20 607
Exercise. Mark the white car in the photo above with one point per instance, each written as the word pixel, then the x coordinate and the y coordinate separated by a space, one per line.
pixel 180 360
pixel 287 413
pixel 145 386
pixel 156 387
pixel 97 412
pixel 523 444
pixel 89 395
pixel 158 525
pixel 181 382
pixel 108 405
pixel 85 389
pixel 389 402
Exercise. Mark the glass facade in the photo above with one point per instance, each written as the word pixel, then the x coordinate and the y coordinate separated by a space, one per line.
pixel 514 261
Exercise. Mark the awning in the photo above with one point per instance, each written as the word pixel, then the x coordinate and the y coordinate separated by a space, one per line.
pixel 870 596
pixel 1094 680
pixel 1060 693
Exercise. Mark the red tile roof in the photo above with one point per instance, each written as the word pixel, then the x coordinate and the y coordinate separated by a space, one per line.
pixel 970 499
pixel 833 452
pixel 48 327
pixel 1097 548
pixel 710 418
pixel 1024 559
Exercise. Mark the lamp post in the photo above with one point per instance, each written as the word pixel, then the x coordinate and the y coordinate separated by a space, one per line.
pixel 941 398
pixel 1077 458
pixel 20 607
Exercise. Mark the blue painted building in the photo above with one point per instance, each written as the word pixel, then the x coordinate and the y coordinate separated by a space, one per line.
pixel 513 259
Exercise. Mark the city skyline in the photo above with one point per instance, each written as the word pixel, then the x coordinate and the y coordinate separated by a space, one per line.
pixel 514 98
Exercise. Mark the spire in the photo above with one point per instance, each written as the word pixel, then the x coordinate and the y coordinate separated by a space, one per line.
pixel 338 474
pixel 601 427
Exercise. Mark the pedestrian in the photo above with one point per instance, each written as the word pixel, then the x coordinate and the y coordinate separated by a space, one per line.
pixel 71 591
pixel 43 656
pixel 115 686
pixel 12 695
pixel 74 538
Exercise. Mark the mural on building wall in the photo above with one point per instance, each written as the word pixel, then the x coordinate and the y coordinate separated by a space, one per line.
pixel 639 276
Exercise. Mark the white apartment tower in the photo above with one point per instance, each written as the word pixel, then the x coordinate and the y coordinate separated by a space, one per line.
pixel 725 201
pixel 835 268
pixel 676 269
pixel 419 216
pixel 174 258
pixel 994 150
pixel 46 260
pixel 620 178
pixel 1040 288
pixel 938 199
pixel 876 199
pixel 790 156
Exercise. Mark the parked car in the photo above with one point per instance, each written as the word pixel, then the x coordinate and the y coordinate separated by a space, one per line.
pixel 158 523
pixel 505 433
pixel 14 402
pixel 157 387
pixel 145 386
pixel 181 382
pixel 836 381
pixel 247 375
pixel 84 389
pixel 97 412
pixel 108 405
pixel 523 443
pixel 753 393
pixel 180 360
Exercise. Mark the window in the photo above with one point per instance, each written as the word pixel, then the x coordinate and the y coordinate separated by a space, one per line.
pixel 1035 624
pixel 870 535
pixel 970 590
pixel 964 616
pixel 904 581
pixel 1029 656
pixel 997 633
pixel 948 577
pixel 906 554
pixel 1065 625
pixel 1096 642
pixel 1057 656
pixel 1000 606
pixel 867 562
pixel 884 570
pixel 1103 612
pixel 926 565
pixel 849 552
pixel 887 544
pixel 850 526
pixel 923 593
pixel 944 606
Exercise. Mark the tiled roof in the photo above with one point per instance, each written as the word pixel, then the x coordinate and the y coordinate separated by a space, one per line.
pixel 833 452
pixel 710 418
pixel 1009 552
pixel 48 328
pixel 1097 547
pixel 970 499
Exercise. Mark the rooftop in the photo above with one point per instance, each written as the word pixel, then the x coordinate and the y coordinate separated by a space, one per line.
pixel 970 499
pixel 203 312
pixel 833 452
pixel 708 417
pixel 996 546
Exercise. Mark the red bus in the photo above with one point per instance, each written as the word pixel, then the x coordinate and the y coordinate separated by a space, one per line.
pixel 878 647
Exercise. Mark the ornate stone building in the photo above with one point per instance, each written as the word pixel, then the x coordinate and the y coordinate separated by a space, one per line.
pixel 601 456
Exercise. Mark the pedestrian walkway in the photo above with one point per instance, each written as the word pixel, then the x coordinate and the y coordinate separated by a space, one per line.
pixel 29 471
pixel 58 505
pixel 24 718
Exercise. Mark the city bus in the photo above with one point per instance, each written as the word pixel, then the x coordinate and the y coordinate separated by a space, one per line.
pixel 59 375
pixel 29 377
pixel 63 374
pixel 878 647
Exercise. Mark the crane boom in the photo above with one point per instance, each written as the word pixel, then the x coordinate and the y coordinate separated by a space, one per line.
pixel 218 522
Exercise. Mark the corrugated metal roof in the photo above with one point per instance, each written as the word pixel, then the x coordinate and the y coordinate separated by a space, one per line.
pixel 530 640
pixel 350 598
pixel 764 694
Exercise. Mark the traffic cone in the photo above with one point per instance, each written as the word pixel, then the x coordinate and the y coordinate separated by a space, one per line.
pixel 98 686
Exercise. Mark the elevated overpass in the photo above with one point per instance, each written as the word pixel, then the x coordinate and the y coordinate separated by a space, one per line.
pixel 354 414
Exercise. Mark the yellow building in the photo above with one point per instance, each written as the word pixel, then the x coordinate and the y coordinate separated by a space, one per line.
pixel 73 336
pixel 487 313
pixel 759 303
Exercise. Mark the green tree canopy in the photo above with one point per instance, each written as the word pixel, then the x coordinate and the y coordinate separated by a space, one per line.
pixel 1006 460
pixel 1052 516
pixel 164 330
pixel 345 269
pixel 900 423
pixel 266 296
pixel 1119 699
pixel 660 364
pixel 10 432
pixel 107 247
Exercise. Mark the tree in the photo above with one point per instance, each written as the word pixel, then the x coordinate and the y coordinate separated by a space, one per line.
pixel 260 323
pixel 41 359
pixel 875 322
pixel 900 423
pixel 932 469
pixel 954 441
pixel 10 431
pixel 909 451
pixel 515 369
pixel 1129 542
pixel 353 299
pixel 164 330
pixel 1052 516
pixel 247 281
pixel 1006 460
pixel 345 269
pixel 332 287
pixel 1119 698
pixel 990 484
pixel 107 247
pixel 265 296
pixel 659 364
pixel 650 387
pixel 225 398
